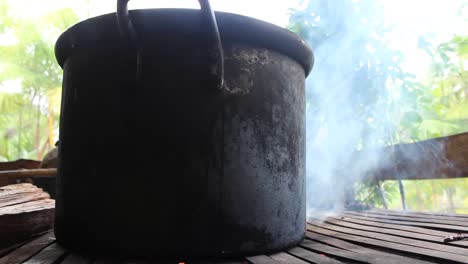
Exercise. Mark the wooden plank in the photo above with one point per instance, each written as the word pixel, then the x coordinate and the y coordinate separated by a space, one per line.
pixel 451 160
pixel 375 254
pixel 49 255
pixel 20 193
pixel 397 239
pixel 25 221
pixel 412 219
pixel 287 258
pixel 73 258
pixel 16 176
pixel 17 228
pixel 216 262
pixel 25 212
pixel 156 261
pixel 50 172
pixel 335 221
pixel 263 259
pixel 411 223
pixel 28 207
pixel 312 256
pixel 27 250
pixel 414 229
pixel 169 261
pixel 19 164
pixel 368 257
pixel 346 255
pixel 434 215
pixel 7 250
pixel 133 261
pixel 428 219
pixel 440 234
pixel 392 246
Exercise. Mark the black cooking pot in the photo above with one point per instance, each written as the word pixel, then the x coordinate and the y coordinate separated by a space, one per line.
pixel 173 144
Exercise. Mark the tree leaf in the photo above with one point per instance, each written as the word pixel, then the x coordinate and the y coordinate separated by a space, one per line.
pixel 410 118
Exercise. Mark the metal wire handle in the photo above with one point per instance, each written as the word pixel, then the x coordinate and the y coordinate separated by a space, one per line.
pixel 214 50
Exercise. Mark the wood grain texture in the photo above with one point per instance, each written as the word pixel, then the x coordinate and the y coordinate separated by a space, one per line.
pixel 411 251
pixel 16 165
pixel 424 219
pixel 23 173
pixel 407 234
pixel 20 193
pixel 445 157
pixel 353 237
pixel 25 212
pixel 398 239
pixel 312 256
pixel 451 228
pixel 414 229
pixel 375 255
pixel 19 164
pixel 49 255
pixel 264 259
pixel 28 250
pixel 287 258
pixel 435 215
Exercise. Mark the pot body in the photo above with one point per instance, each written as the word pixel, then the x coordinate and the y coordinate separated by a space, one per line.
pixel 166 165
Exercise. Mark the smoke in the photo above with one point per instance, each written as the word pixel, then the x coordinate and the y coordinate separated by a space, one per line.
pixel 336 108
pixel 356 101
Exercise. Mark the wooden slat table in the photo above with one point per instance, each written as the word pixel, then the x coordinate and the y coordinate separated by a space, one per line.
pixel 373 236
pixel 25 212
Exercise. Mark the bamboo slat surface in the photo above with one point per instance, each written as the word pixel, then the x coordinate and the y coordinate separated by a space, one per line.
pixel 374 236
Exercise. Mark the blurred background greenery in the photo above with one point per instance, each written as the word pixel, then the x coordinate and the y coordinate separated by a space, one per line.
pixel 400 70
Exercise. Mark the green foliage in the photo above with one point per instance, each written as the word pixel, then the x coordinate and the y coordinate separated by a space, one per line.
pixel 441 195
pixel 16 118
pixel 354 57
pixel 443 101
pixel 32 58
pixel 414 110
pixel 440 108
pixel 369 58
pixel 368 193
pixel 28 119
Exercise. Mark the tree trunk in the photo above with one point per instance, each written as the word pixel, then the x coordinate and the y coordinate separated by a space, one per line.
pixel 38 129
pixel 20 128
pixel 51 127
pixel 450 193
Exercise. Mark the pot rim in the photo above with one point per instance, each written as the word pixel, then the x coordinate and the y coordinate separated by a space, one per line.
pixel 232 27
